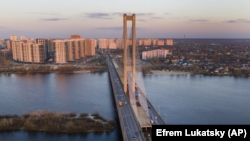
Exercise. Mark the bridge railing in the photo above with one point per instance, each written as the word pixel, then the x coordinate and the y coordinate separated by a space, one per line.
pixel 152 107
pixel 159 117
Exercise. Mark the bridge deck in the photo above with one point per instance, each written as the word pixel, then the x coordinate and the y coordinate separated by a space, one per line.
pixel 140 114
pixel 129 124
pixel 143 118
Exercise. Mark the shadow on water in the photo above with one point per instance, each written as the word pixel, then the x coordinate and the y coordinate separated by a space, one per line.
pixel 98 72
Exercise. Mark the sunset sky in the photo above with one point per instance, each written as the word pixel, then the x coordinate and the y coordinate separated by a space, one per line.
pixel 103 18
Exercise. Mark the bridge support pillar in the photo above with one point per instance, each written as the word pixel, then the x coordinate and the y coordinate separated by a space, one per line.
pixel 125 58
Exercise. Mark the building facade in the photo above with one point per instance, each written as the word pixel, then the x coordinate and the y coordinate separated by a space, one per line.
pixel 39 53
pixel 75 37
pixel 90 47
pixel 169 42
pixel 103 43
pixel 161 43
pixel 147 42
pixel 154 42
pixel 13 37
pixel 73 49
pixel 60 51
pixel 26 51
pixel 159 53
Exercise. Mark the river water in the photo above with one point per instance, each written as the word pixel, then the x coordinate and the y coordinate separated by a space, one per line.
pixel 180 99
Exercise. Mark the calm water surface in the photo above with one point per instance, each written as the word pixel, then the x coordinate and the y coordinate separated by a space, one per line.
pixel 78 93
pixel 196 99
pixel 180 99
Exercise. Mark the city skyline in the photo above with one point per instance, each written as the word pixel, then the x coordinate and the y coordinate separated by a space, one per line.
pixel 103 19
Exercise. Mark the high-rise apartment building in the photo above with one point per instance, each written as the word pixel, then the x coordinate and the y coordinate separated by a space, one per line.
pixel 2 43
pixel 75 37
pixel 147 42
pixel 103 43
pixel 17 50
pixel 50 46
pixel 13 37
pixel 159 53
pixel 70 50
pixel 140 42
pixel 39 53
pixel 26 51
pixel 112 44
pixel 118 43
pixel 81 48
pixel 160 43
pixel 154 42
pixel 169 42
pixel 73 49
pixel 108 43
pixel 44 42
pixel 90 47
pixel 22 37
pixel 76 49
pixel 41 41
pixel 9 44
pixel 60 51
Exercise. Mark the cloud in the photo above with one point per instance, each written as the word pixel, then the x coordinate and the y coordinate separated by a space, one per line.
pixel 199 20
pixel 43 13
pixel 176 17
pixel 118 13
pixel 141 20
pixel 102 15
pixel 137 14
pixel 116 28
pixel 238 21
pixel 144 14
pixel 154 18
pixel 99 15
pixel 2 27
pixel 166 13
pixel 110 28
pixel 55 19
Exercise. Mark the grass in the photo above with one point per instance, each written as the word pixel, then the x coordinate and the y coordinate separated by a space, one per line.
pixel 55 122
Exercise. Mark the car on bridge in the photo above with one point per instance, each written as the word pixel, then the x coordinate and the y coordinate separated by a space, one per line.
pixel 120 104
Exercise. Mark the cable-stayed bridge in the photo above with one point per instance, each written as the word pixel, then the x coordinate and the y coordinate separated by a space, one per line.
pixel 136 113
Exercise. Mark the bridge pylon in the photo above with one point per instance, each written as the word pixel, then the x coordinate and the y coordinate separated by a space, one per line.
pixel 125 58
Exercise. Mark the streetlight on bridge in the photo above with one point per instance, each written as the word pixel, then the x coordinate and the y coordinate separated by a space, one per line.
pixel 166 117
pixel 159 110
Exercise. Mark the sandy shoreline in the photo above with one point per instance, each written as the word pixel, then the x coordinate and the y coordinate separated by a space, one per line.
pixel 169 72
pixel 82 71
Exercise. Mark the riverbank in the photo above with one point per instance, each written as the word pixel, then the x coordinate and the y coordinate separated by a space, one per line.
pixel 168 72
pixel 56 122
pixel 50 68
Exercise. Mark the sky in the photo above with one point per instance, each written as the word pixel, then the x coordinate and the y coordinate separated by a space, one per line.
pixel 104 18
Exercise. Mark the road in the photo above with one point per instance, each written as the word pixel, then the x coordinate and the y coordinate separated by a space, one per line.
pixel 153 114
pixel 128 120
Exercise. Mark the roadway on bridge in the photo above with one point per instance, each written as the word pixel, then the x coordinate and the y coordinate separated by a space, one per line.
pixel 153 114
pixel 129 123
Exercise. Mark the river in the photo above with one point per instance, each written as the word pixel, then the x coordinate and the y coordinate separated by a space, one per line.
pixel 180 99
